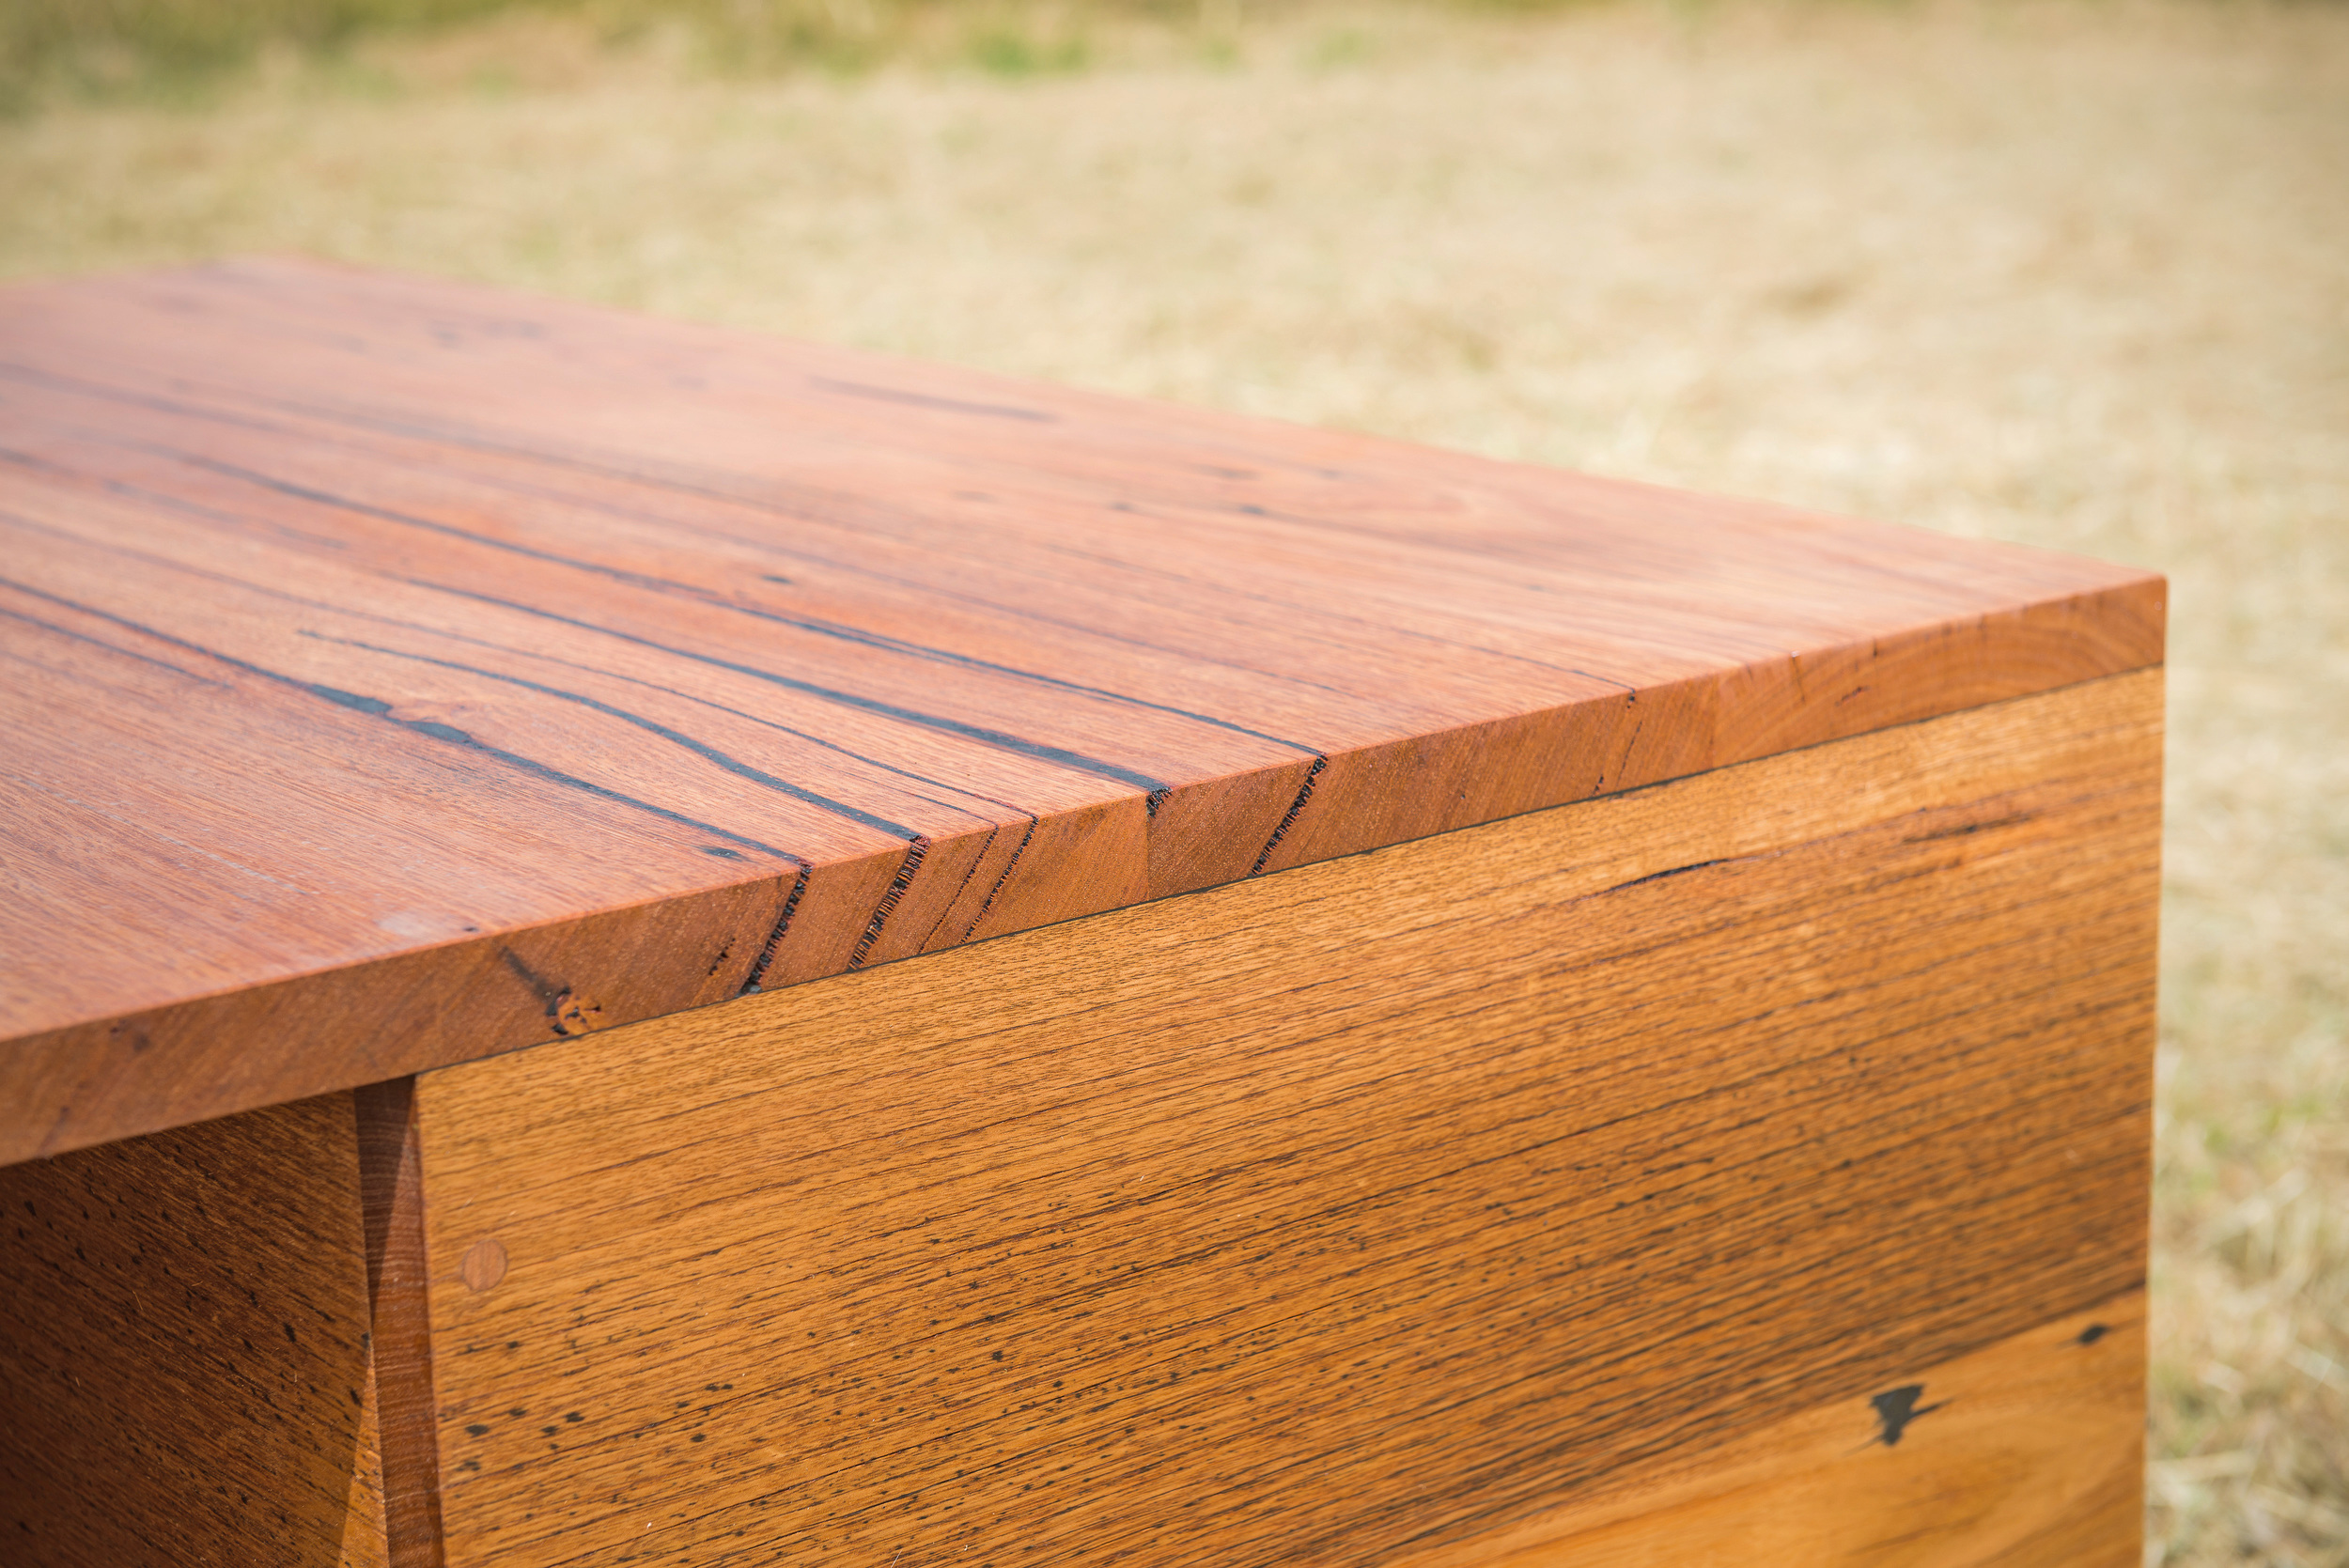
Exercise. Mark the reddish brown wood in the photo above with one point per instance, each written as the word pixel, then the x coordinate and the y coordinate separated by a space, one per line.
pixel 403 673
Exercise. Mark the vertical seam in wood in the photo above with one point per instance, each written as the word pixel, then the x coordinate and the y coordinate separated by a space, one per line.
pixel 391 1199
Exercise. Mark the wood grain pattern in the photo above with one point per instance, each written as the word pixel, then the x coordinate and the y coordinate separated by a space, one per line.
pixel 2029 1453
pixel 402 672
pixel 1352 1211
pixel 184 1372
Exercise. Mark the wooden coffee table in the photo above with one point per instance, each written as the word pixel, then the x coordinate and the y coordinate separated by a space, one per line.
pixel 631 944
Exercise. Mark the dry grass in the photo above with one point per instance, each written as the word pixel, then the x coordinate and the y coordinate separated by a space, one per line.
pixel 2075 273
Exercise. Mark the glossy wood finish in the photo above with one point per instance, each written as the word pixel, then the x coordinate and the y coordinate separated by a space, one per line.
pixel 1386 1206
pixel 403 673
pixel 184 1368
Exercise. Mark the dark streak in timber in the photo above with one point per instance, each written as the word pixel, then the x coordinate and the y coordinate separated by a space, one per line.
pixel 774 938
pixel 102 642
pixel 1661 876
pixel 857 635
pixel 406 520
pixel 1897 1408
pixel 811 739
pixel 375 708
pixel 1622 753
pixel 732 765
pixel 1304 793
pixel 650 583
pixel 888 905
pixel 989 902
pixel 942 656
pixel 442 634
pixel 998 738
pixel 545 990
pixel 976 861
pixel 893 830
pixel 473 441
pixel 699 594
pixel 1963 830
pixel 565 1011
pixel 161 498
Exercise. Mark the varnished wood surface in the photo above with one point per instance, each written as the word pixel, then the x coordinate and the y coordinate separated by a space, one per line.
pixel 400 673
pixel 184 1373
pixel 2027 1453
pixel 1369 1209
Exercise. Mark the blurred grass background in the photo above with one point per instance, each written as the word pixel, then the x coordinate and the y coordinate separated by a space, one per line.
pixel 2069 272
pixel 185 48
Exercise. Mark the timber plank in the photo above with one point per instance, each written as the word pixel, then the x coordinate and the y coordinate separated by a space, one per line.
pixel 2027 1453
pixel 404 672
pixel 185 1374
pixel 1390 1205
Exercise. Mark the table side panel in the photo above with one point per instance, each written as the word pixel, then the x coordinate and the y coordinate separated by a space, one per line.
pixel 1355 1210
pixel 184 1350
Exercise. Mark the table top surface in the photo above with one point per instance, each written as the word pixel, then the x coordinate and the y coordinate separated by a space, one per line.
pixel 402 671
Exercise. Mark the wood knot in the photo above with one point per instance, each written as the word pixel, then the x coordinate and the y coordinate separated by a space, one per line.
pixel 572 1014
pixel 483 1264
